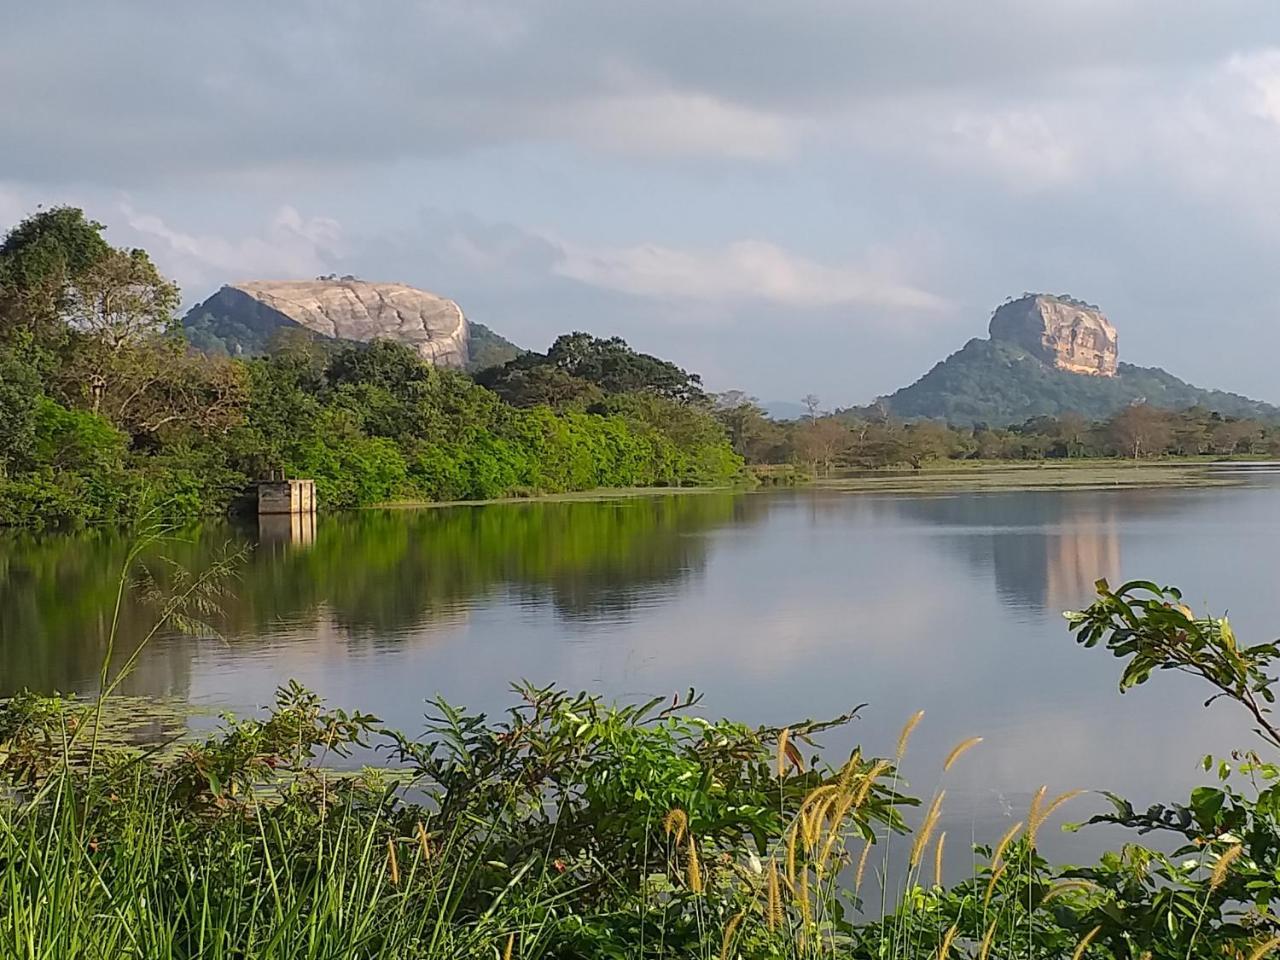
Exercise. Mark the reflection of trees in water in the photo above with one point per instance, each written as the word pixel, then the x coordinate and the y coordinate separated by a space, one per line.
pixel 374 574
pixel 1045 548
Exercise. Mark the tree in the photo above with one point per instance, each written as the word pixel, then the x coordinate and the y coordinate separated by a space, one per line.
pixel 748 428
pixel 163 383
pixel 811 404
pixel 609 365
pixel 548 385
pixel 115 308
pixel 19 388
pixel 877 443
pixel 1228 437
pixel 1141 430
pixel 819 443
pixel 926 441
pixel 122 298
pixel 614 367
pixel 40 259
pixel 1073 431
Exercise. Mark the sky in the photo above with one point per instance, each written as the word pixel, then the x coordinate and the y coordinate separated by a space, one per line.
pixel 822 197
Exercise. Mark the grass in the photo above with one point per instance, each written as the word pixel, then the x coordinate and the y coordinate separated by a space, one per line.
pixel 597 494
pixel 1043 475
pixel 935 476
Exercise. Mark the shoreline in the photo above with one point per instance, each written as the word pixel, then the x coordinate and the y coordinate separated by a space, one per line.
pixel 1013 477
pixel 952 476
pixel 598 493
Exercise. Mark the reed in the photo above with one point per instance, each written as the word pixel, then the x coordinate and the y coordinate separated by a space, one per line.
pixel 1083 945
pixel 925 832
pixel 959 750
pixel 1220 869
pixel 908 728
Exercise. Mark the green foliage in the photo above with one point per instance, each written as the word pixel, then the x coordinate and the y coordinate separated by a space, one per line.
pixel 873 440
pixel 1151 628
pixel 994 382
pixel 19 392
pixel 487 349
pixel 40 260
pixel 553 826
pixel 76 439
pixel 115 410
pixel 578 362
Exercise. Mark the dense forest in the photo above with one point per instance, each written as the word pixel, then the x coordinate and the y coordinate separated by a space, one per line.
pixel 105 405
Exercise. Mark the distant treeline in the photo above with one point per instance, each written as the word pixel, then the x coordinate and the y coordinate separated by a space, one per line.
pixel 105 407
pixel 823 442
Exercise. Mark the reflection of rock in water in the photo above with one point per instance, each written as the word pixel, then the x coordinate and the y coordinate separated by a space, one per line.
pixel 1076 561
pixel 286 529
pixel 1045 549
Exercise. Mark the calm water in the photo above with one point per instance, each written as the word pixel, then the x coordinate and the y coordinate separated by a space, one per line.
pixel 779 606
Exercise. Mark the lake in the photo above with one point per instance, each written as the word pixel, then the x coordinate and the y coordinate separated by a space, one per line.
pixel 777 605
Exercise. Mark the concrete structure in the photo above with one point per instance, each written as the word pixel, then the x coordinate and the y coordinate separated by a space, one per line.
pixel 287 496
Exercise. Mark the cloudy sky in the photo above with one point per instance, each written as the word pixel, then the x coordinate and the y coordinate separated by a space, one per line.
pixel 824 196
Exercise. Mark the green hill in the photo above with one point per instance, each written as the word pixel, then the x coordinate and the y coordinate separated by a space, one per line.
pixel 488 349
pixel 998 383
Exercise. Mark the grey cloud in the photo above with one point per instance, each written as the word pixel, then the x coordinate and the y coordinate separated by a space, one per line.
pixel 1124 151
pixel 134 91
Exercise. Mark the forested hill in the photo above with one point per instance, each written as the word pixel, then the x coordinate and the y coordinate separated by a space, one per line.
pixel 108 413
pixel 998 383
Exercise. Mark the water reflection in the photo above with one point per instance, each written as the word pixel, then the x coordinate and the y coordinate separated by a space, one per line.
pixel 371 577
pixel 779 606
pixel 286 530
pixel 1045 550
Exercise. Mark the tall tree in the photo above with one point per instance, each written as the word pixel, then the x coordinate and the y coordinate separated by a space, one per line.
pixel 812 405
pixel 819 443
pixel 745 423
pixel 116 305
pixel 40 261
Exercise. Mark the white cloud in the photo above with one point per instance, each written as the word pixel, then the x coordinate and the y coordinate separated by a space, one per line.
pixel 290 246
pixel 741 271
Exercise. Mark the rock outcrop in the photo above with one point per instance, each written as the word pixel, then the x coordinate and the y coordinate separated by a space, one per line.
pixel 1046 356
pixel 347 310
pixel 1063 333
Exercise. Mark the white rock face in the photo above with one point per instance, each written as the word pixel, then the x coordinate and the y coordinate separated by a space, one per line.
pixel 1062 333
pixel 358 310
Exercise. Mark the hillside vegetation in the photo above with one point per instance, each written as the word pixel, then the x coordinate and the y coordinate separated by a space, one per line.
pixel 998 383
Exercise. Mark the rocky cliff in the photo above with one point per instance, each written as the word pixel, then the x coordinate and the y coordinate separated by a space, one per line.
pixel 343 309
pixel 1062 332
pixel 1048 355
